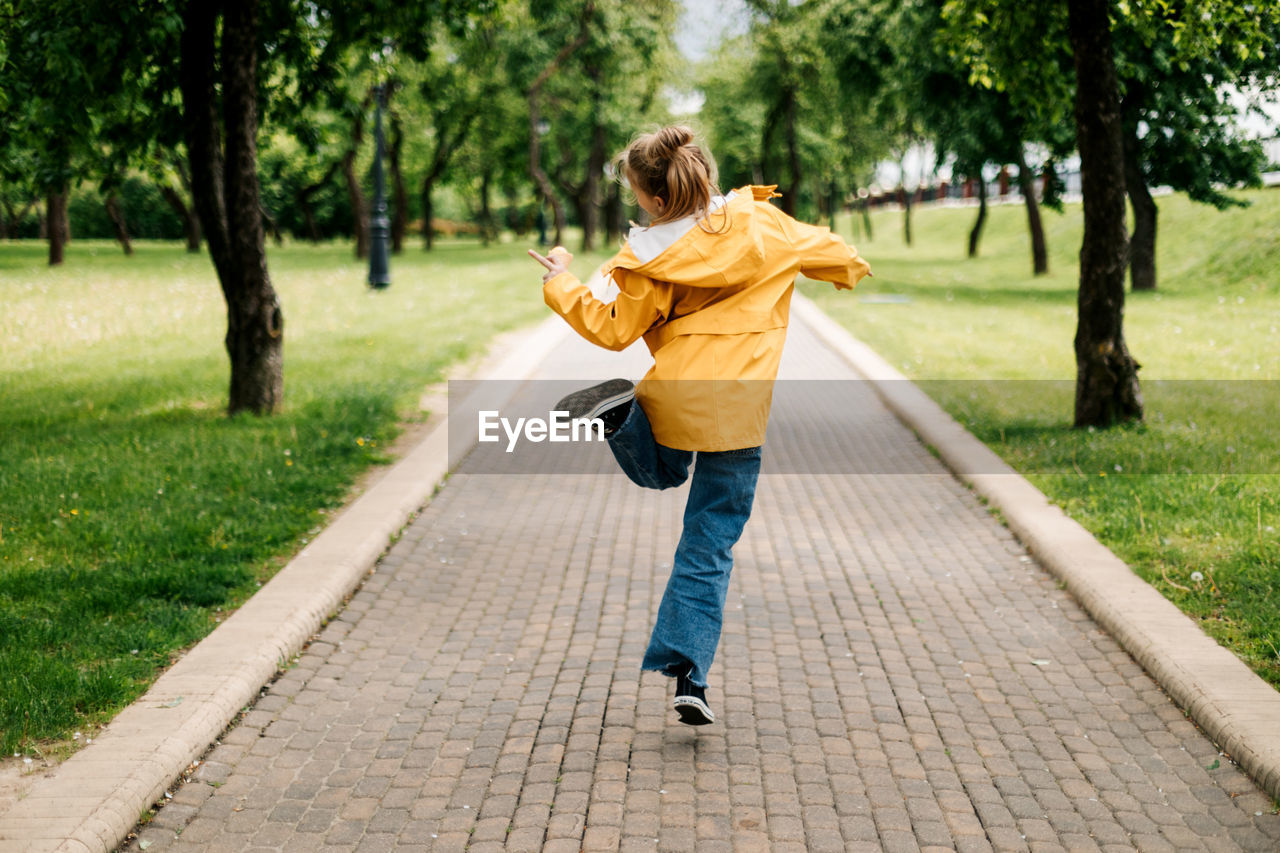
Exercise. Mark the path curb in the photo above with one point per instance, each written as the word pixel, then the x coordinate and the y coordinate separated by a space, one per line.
pixel 1238 710
pixel 90 802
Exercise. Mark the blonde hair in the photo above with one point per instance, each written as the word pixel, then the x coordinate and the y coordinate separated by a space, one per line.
pixel 668 164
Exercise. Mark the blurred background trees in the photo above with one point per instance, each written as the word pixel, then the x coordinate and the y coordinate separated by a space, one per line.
pixel 229 127
pixel 813 96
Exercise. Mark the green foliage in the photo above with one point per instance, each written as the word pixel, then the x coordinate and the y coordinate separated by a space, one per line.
pixel 1031 64
pixel 604 93
pixel 145 211
pixel 787 104
pixel 1173 60
pixel 1175 103
pixel 286 170
pixel 732 113
pixel 93 93
pixel 1198 29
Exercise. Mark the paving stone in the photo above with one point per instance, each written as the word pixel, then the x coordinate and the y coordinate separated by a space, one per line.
pixel 872 686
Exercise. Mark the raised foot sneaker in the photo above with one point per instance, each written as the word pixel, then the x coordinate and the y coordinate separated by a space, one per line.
pixel 691 702
pixel 609 401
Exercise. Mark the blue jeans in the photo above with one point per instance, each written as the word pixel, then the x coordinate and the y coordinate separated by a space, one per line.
pixel 720 497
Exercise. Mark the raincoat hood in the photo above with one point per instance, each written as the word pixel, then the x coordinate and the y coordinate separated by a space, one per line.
pixel 724 249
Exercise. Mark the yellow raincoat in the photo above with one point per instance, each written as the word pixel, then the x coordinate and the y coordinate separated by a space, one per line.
pixel 713 310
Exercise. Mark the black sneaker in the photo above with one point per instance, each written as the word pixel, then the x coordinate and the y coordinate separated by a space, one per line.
pixel 691 701
pixel 609 401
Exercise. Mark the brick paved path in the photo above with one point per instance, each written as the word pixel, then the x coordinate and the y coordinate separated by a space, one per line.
pixel 895 674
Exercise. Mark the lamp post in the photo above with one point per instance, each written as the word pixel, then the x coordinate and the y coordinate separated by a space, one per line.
pixel 379 224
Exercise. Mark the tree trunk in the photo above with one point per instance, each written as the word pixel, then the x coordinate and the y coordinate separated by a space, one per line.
pixel 511 216
pixel 308 216
pixel 975 233
pixel 1142 245
pixel 16 218
pixel 788 201
pixel 614 215
pixel 224 182
pixel 270 226
pixel 1039 253
pixel 767 132
pixel 906 215
pixel 56 214
pixel 118 223
pixel 446 145
pixel 428 214
pixel 190 221
pixel 399 196
pixel 590 206
pixel 194 235
pixel 359 210
pixel 540 179
pixel 866 217
pixel 580 205
pixel 487 231
pixel 783 113
pixel 1107 388
pixel 304 201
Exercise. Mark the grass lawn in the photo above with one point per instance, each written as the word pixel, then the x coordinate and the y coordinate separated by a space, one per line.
pixel 133 513
pixel 1189 498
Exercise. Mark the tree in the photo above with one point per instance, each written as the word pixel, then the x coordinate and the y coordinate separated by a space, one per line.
pixel 773 115
pixel 990 36
pixel 395 166
pixel 1178 122
pixel 164 173
pixel 592 74
pixel 494 159
pixel 973 116
pixel 1107 388
pixel 359 210
pixel 731 108
pixel 219 91
pixel 538 125
pixel 778 72
pixel 611 89
pixel 455 87
pixel 786 68
pixel 44 56
pixel 857 58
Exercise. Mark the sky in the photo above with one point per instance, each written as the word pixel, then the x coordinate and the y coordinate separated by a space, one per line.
pixel 705 22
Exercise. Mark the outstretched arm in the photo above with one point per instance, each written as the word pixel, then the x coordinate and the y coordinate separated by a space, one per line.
pixel 825 256
pixel 614 326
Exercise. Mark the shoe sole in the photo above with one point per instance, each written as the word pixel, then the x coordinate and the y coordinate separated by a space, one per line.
pixel 693 711
pixel 588 403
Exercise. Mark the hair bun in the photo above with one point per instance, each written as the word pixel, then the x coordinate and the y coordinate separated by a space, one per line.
pixel 669 140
